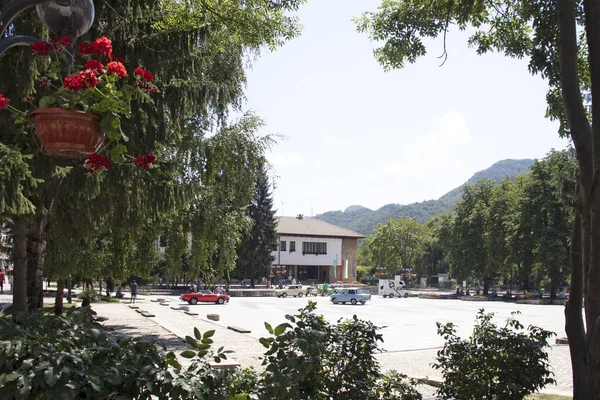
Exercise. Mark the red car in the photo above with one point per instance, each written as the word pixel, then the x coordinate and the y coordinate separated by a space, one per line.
pixel 205 296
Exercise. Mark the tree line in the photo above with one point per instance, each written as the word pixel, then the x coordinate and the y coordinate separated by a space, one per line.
pixel 514 233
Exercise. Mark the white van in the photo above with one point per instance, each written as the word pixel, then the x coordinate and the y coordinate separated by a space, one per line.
pixel 392 287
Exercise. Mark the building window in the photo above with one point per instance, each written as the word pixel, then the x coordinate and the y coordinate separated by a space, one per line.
pixel 282 245
pixel 314 248
pixel 292 246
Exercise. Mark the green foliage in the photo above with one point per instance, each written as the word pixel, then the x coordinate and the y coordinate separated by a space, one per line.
pixel 310 358
pixel 68 358
pixel 89 294
pixel 494 363
pixel 364 273
pixel 257 246
pixel 398 244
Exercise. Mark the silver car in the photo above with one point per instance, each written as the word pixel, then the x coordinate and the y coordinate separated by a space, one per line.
pixel 349 295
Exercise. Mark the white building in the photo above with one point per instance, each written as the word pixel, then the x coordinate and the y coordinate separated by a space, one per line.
pixel 311 250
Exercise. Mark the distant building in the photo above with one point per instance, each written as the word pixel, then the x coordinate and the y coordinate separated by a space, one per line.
pixel 311 250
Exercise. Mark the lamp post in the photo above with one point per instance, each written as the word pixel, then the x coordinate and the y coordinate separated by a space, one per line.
pixel 71 18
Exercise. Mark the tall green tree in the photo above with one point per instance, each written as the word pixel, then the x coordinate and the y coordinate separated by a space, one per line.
pixel 197 51
pixel 521 233
pixel 561 39
pixel 255 252
pixel 433 261
pixel 399 244
pixel 553 221
pixel 469 250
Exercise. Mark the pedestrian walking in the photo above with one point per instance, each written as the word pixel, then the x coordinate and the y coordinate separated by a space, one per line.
pixel 133 287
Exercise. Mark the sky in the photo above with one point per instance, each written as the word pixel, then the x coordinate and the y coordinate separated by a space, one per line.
pixel 356 135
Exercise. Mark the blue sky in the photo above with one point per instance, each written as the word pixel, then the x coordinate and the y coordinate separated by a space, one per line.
pixel 358 135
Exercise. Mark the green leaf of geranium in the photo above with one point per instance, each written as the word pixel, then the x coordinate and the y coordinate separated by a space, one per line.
pixel 116 154
pixel 47 101
pixel 110 124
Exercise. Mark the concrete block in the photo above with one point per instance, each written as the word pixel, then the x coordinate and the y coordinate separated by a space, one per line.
pixel 238 329
pixel 213 317
pixel 562 340
pixel 164 304
pixel 191 313
pixel 147 314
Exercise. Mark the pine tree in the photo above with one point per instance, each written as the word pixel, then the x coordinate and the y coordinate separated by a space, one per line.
pixel 255 253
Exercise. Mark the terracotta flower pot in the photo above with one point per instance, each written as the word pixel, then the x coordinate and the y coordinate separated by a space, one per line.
pixel 67 133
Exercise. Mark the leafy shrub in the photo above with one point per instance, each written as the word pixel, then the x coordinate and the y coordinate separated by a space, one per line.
pixel 494 363
pixel 309 358
pixel 65 357
pixel 90 294
pixel 48 357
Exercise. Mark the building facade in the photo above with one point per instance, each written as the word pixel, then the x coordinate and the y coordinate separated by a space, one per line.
pixel 310 250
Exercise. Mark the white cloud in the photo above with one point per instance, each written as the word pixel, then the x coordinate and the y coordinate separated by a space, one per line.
pixel 432 151
pixel 285 159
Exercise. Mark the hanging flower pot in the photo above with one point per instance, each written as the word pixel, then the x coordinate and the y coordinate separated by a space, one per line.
pixel 96 81
pixel 67 133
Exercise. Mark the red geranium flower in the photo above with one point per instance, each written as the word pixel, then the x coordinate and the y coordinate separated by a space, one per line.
pixel 146 75
pixel 145 161
pixel 59 42
pixel 93 64
pixel 117 68
pixel 83 80
pixel 40 48
pixel 3 101
pixel 85 48
pixel 95 162
pixel 101 46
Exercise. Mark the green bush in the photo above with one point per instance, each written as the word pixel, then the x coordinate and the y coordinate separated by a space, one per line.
pixel 49 357
pixel 89 294
pixel 494 363
pixel 309 358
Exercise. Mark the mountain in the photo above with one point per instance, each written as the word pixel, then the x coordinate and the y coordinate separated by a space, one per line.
pixel 364 220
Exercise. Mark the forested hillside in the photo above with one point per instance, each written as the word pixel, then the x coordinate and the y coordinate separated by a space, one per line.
pixel 364 220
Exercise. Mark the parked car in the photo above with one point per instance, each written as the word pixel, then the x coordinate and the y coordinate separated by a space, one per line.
pixel 204 296
pixel 349 295
pixel 291 290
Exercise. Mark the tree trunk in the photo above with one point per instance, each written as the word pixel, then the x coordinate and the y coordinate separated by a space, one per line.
pixel 554 286
pixel 20 267
pixel 36 256
pixel 581 133
pixel 592 300
pixel 58 302
pixel 486 286
pixel 573 315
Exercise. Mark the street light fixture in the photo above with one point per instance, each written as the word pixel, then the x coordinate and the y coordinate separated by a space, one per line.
pixel 71 18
